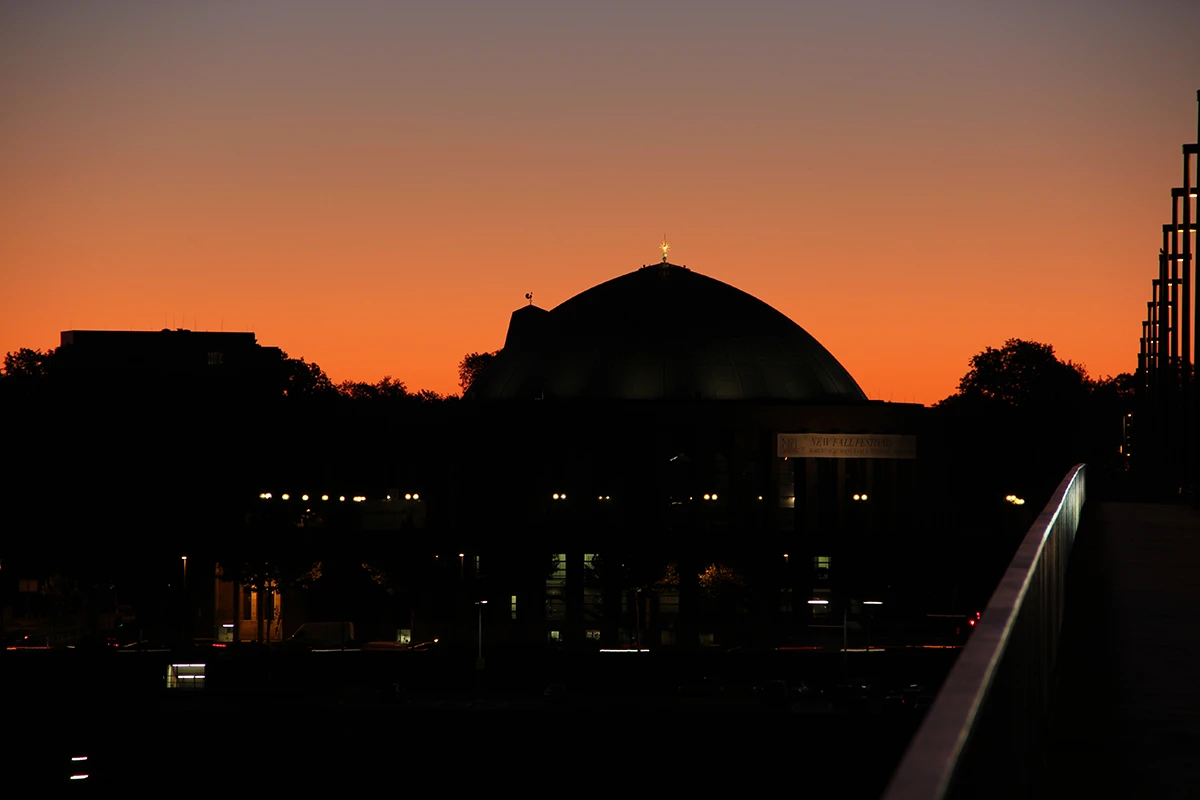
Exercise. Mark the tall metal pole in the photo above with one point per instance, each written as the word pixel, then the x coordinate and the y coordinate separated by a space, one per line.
pixel 1141 367
pixel 1173 291
pixel 1156 430
pixel 1161 347
pixel 1185 361
pixel 1194 444
pixel 1172 363
pixel 1141 402
pixel 637 616
pixel 845 637
pixel 187 610
pixel 479 657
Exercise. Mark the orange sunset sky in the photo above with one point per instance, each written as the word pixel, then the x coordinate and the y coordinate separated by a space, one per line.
pixel 375 186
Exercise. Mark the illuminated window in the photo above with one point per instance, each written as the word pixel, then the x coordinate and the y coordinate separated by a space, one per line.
pixel 185 676
pixel 821 565
pixel 553 636
pixel 593 635
pixel 514 606
pixel 557 570
pixel 593 600
pixel 556 580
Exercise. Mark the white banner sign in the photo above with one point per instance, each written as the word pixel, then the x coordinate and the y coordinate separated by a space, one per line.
pixel 846 445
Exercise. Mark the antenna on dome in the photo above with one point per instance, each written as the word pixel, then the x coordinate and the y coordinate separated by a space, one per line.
pixel 529 297
pixel 665 248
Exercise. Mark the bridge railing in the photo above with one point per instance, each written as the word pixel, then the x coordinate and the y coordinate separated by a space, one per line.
pixel 984 734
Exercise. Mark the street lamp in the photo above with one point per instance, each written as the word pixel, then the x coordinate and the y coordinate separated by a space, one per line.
pixel 186 607
pixel 637 616
pixel 479 659
pixel 870 619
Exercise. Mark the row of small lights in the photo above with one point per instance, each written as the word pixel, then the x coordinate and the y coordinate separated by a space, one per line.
pixel 1016 501
pixel 556 496
pixel 358 498
pixel 865 603
pixel 602 497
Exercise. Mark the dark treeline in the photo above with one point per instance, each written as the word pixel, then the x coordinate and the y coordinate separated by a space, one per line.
pixel 114 476
pixel 1023 416
pixel 1020 419
pixel 143 449
pixel 86 445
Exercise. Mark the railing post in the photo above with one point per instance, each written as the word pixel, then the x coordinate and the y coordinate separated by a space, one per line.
pixel 984 734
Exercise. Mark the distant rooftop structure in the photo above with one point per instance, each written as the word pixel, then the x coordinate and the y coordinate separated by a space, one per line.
pixel 663 332
pixel 170 358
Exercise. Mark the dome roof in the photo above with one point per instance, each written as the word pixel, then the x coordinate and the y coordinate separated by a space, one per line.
pixel 663 332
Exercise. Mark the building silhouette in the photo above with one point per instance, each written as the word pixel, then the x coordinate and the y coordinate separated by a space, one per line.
pixel 168 365
pixel 664 458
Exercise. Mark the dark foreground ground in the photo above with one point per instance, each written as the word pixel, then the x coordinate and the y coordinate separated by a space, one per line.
pixel 1126 715
pixel 613 733
pixel 489 747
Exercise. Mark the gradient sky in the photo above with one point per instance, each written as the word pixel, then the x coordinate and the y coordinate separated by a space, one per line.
pixel 374 186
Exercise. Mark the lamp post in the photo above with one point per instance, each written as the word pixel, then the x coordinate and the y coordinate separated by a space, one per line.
pixel 479 659
pixel 870 619
pixel 637 615
pixel 845 638
pixel 186 607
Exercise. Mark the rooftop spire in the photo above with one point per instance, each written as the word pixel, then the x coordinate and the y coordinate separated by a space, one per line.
pixel 665 248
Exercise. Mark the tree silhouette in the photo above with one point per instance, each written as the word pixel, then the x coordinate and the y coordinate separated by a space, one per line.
pixel 430 396
pixel 471 366
pixel 266 577
pixel 305 379
pixel 27 364
pixel 1021 417
pixel 717 578
pixel 1116 393
pixel 1021 374
pixel 386 389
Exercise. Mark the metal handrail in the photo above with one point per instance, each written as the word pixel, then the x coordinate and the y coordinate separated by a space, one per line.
pixel 982 735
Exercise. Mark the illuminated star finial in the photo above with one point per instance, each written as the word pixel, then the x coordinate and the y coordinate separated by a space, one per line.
pixel 665 248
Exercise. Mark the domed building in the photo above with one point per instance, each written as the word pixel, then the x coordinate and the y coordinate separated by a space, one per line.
pixel 665 460
pixel 663 332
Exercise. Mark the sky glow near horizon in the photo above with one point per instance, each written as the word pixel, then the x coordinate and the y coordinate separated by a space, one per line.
pixel 375 186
